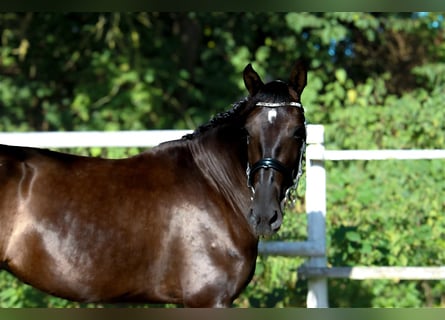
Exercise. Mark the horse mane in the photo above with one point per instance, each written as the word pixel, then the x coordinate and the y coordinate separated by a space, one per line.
pixel 219 119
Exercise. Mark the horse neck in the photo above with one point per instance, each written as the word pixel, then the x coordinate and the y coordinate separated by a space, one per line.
pixel 222 158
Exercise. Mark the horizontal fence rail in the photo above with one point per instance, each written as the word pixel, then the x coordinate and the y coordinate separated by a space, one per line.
pixel 88 139
pixel 338 155
pixel 363 273
pixel 291 249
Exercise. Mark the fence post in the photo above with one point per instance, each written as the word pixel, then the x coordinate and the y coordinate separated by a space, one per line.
pixel 317 296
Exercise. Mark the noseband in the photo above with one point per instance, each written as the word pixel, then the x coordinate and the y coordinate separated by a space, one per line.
pixel 271 163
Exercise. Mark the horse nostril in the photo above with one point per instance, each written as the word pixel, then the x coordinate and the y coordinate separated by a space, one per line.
pixel 275 221
pixel 274 217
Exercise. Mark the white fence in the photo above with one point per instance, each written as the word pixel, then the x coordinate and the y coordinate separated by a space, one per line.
pixel 315 269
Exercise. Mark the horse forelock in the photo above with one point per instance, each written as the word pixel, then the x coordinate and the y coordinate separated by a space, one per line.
pixel 275 91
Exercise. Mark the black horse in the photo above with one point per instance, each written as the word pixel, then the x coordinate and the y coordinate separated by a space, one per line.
pixel 179 223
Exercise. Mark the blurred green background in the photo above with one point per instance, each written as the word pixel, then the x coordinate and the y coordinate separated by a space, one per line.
pixel 376 81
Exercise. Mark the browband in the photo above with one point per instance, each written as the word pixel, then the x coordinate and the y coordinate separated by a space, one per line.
pixel 279 104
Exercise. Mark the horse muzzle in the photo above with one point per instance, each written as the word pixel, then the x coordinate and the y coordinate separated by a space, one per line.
pixel 265 215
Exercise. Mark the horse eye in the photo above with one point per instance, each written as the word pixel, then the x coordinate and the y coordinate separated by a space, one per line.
pixel 300 133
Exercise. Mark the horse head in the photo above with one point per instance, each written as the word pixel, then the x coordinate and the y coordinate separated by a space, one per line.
pixel 276 135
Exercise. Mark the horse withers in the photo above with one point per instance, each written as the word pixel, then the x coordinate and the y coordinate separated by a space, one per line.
pixel 179 223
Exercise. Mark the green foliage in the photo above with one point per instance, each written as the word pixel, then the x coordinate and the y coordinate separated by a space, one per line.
pixel 376 81
pixel 17 295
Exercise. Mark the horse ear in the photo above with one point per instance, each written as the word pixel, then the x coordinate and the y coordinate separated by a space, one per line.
pixel 252 80
pixel 298 76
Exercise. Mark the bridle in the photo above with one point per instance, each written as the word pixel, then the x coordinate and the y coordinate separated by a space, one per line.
pixel 290 178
